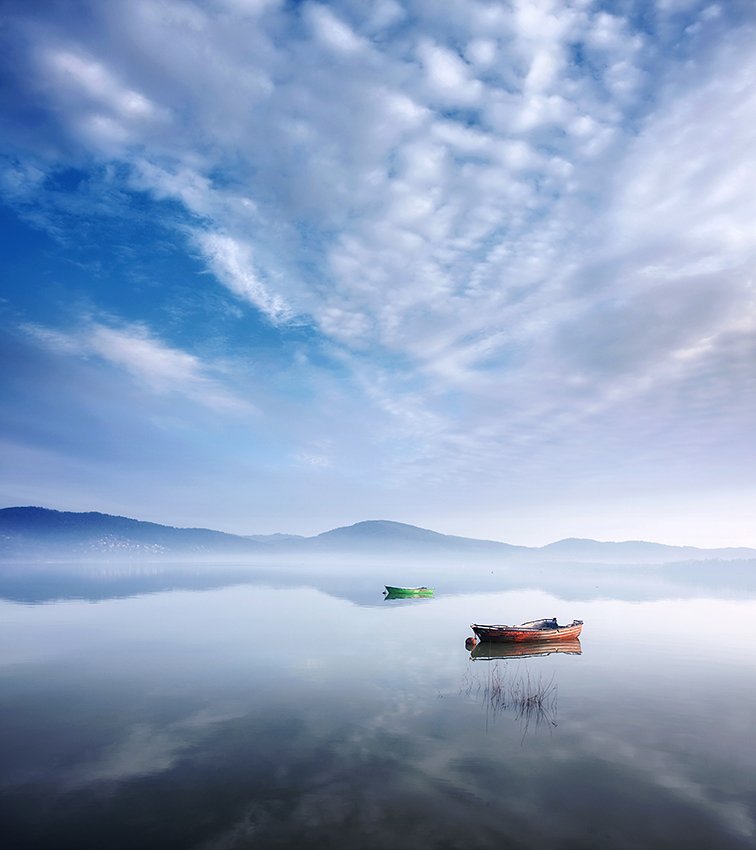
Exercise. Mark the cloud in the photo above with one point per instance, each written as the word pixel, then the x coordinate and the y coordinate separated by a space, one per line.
pixel 449 79
pixel 147 749
pixel 231 262
pixel 524 232
pixel 106 114
pixel 154 365
pixel 331 31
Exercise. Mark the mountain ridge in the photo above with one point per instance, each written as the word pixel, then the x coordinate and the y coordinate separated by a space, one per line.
pixel 33 531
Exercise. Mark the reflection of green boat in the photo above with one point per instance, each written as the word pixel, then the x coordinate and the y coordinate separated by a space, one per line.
pixel 407 592
pixel 489 651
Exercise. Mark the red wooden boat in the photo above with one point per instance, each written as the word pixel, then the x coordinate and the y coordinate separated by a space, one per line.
pixel 533 630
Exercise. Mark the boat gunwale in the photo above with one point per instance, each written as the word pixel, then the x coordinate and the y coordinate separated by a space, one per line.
pixel 505 633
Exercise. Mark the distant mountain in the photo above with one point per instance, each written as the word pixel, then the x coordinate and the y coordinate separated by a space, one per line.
pixel 274 538
pixel 32 533
pixel 40 532
pixel 635 551
pixel 386 535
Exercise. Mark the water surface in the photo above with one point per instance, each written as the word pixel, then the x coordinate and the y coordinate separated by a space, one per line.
pixel 292 711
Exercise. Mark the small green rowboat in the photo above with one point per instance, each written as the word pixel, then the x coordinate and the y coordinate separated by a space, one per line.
pixel 406 592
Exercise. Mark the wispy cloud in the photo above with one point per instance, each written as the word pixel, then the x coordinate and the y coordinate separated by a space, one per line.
pixel 231 262
pixel 154 365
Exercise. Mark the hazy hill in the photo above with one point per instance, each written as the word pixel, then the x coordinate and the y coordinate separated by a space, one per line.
pixel 387 535
pixel 635 551
pixel 31 533
pixel 273 538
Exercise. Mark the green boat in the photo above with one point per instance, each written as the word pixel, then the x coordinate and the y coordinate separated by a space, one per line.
pixel 407 592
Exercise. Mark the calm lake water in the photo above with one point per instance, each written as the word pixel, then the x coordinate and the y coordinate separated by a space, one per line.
pixel 145 709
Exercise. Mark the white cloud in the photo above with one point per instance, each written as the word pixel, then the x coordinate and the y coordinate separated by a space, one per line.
pixel 107 113
pixel 332 31
pixel 155 366
pixel 546 244
pixel 231 262
pixel 449 79
pixel 93 80
pixel 481 51
pixel 385 14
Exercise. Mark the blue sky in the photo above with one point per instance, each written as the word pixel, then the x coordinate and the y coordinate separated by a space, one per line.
pixel 483 267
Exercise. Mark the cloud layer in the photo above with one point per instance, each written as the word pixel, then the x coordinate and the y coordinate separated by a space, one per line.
pixel 522 235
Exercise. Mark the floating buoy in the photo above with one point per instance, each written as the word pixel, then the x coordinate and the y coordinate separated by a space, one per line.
pixel 471 643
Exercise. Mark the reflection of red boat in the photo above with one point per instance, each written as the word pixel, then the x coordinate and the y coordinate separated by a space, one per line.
pixel 533 630
pixel 488 651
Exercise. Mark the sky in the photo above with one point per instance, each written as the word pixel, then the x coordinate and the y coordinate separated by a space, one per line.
pixel 484 267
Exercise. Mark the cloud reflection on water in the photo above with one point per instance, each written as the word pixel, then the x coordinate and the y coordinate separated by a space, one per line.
pixel 252 715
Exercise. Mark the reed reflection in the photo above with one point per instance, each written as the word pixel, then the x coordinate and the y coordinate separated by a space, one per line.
pixel 530 698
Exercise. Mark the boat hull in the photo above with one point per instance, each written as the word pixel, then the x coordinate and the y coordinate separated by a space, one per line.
pixel 405 592
pixel 518 634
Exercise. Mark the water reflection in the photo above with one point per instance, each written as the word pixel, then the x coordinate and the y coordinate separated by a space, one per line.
pixel 39 583
pixel 531 697
pixel 194 721
pixel 486 651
